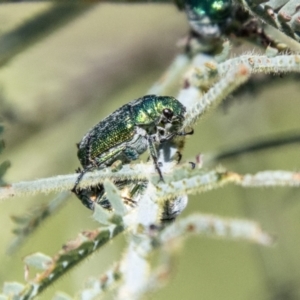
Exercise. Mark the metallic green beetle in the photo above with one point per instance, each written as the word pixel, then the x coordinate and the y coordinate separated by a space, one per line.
pixel 129 131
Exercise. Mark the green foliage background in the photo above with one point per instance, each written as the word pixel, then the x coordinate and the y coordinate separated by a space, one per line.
pixel 55 90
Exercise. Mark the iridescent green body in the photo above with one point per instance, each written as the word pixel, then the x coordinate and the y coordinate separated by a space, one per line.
pixel 208 18
pixel 125 134
pixel 216 10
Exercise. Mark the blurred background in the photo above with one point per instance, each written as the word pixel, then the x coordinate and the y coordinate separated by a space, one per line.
pixel 70 77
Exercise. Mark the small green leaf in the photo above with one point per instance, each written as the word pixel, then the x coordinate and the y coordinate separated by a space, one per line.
pixel 22 219
pixel 12 288
pixel 38 260
pixel 114 198
pixel 101 215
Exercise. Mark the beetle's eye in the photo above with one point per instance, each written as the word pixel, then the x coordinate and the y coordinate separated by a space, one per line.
pixel 168 113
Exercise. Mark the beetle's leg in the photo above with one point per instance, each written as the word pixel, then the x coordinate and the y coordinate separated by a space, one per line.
pixel 82 172
pixel 153 154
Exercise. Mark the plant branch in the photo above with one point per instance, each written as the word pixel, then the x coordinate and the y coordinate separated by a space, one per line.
pixel 261 145
pixel 72 253
pixel 66 182
pixel 218 92
pixel 281 15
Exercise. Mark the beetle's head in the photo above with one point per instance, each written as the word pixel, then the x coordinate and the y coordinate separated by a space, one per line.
pixel 171 111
